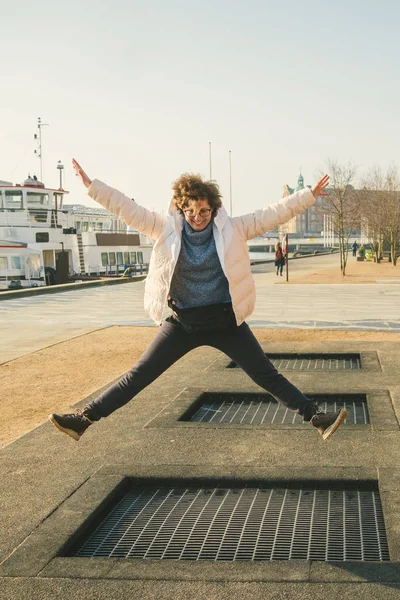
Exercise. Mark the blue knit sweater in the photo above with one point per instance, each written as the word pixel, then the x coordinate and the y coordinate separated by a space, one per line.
pixel 198 279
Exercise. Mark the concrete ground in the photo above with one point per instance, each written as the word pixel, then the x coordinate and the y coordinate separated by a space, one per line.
pixel 30 323
pixel 51 484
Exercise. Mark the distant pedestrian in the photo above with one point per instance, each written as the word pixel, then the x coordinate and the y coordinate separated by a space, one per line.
pixel 355 246
pixel 279 258
pixel 200 267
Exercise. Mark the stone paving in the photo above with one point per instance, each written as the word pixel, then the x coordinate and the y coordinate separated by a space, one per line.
pixel 30 323
pixel 51 485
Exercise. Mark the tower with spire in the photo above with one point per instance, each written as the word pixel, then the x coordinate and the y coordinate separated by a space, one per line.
pixel 310 222
pixel 300 183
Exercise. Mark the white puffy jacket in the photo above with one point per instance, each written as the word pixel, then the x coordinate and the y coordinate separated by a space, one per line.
pixel 230 234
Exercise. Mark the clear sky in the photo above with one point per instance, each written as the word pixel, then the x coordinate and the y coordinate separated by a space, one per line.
pixel 136 90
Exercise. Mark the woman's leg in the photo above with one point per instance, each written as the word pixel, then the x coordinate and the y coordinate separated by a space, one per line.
pixel 169 345
pixel 241 346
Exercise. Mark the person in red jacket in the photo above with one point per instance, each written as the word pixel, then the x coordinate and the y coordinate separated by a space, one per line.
pixel 279 258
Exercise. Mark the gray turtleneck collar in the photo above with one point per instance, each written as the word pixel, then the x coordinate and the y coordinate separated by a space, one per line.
pixel 198 238
pixel 198 279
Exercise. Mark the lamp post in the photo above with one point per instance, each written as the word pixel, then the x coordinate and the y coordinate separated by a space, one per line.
pixel 60 167
pixel 287 255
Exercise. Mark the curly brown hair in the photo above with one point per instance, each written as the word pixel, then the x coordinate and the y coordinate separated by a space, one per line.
pixel 191 186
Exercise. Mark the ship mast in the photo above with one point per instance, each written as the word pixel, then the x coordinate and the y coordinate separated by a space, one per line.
pixel 38 152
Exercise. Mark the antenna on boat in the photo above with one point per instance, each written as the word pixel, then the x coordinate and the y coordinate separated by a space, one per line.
pixel 38 152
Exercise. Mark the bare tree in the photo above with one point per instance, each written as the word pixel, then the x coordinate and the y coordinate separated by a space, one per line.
pixel 381 210
pixel 392 229
pixel 373 213
pixel 342 204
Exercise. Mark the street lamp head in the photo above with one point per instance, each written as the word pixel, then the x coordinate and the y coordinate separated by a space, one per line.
pixel 60 167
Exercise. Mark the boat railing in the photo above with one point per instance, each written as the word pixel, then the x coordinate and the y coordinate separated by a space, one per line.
pixel 134 269
pixel 14 218
pixel 35 217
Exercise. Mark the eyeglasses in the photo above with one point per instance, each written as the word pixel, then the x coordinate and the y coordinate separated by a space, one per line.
pixel 204 212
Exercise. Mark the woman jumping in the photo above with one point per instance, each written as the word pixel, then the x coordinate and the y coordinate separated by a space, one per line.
pixel 200 267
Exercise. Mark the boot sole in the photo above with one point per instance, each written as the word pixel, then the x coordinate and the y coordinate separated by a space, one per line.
pixel 332 428
pixel 75 436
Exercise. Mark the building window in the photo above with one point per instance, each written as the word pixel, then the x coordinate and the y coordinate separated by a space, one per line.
pixel 3 262
pixel 120 260
pixel 84 226
pixel 104 259
pixel 140 258
pixel 126 258
pixel 15 262
pixel 42 236
pixel 1 199
pixel 13 199
pixel 133 258
pixel 37 198
pixel 112 258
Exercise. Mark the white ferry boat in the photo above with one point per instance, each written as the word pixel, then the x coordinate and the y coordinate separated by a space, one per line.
pixel 45 241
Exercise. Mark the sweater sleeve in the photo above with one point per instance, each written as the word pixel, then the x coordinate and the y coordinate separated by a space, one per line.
pixel 257 223
pixel 127 210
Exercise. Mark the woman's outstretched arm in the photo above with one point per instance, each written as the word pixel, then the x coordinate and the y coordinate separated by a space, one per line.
pixel 126 209
pixel 260 221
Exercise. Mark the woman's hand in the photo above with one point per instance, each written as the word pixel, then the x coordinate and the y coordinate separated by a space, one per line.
pixel 81 173
pixel 319 187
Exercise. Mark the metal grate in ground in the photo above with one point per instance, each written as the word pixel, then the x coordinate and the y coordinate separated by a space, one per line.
pixel 263 409
pixel 311 362
pixel 248 524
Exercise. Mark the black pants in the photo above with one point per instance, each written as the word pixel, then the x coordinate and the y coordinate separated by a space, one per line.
pixel 172 342
pixel 279 264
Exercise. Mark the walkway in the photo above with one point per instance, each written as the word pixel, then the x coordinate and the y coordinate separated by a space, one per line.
pixel 28 324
